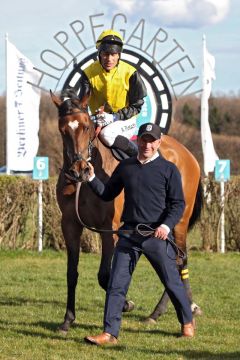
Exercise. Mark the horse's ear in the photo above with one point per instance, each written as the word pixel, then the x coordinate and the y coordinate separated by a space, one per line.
pixel 56 100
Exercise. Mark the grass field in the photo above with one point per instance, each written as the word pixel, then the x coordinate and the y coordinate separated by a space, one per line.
pixel 32 304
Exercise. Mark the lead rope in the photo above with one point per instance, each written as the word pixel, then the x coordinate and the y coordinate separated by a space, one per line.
pixel 145 230
pixel 91 227
pixel 150 231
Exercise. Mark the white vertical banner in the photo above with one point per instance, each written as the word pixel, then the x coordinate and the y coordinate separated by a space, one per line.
pixel 22 107
pixel 209 154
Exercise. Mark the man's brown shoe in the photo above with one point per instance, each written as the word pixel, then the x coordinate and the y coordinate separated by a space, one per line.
pixel 101 339
pixel 188 330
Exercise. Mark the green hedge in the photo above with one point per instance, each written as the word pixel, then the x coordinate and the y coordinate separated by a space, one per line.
pixel 210 223
pixel 19 216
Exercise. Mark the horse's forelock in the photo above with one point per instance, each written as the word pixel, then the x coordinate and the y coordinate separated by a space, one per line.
pixel 66 107
pixel 69 93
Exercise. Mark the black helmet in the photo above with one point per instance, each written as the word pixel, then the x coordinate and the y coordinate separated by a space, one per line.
pixel 110 41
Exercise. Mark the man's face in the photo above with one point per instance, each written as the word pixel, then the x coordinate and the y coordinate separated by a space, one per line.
pixel 147 146
pixel 108 61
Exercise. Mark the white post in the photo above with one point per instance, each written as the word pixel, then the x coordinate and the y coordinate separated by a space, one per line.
pixel 208 74
pixel 7 103
pixel 222 226
pixel 40 215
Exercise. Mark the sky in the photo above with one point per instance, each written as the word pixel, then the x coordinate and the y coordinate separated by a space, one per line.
pixel 31 27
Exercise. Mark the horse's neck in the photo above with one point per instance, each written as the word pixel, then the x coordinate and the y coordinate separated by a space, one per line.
pixel 103 161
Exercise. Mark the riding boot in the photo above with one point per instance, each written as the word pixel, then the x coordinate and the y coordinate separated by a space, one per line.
pixel 127 146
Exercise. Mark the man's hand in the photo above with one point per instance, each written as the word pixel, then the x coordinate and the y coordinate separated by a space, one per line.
pixel 91 172
pixel 104 119
pixel 161 233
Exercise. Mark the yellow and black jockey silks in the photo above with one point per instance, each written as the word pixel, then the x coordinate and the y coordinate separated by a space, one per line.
pixel 109 87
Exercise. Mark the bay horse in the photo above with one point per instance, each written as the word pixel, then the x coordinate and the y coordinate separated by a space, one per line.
pixel 80 145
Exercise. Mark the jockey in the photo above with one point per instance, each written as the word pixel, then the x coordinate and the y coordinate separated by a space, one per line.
pixel 118 86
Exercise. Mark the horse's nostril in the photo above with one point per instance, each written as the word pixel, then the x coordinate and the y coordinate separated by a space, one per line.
pixel 74 173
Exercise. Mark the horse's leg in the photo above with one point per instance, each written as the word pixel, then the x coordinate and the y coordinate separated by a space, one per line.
pixel 180 232
pixel 161 307
pixel 105 264
pixel 180 239
pixel 184 273
pixel 71 232
pixel 108 244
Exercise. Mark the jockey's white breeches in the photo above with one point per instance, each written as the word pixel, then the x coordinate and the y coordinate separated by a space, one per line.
pixel 126 128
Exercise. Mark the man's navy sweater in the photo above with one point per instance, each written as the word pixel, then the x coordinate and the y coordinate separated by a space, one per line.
pixel 153 191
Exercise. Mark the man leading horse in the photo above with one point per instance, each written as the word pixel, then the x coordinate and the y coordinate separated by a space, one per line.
pixel 153 197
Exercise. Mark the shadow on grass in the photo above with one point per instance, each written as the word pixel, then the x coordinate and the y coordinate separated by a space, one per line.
pixel 189 354
pixel 53 327
pixel 19 301
pixel 94 329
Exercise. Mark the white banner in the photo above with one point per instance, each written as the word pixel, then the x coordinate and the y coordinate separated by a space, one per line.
pixel 22 111
pixel 209 154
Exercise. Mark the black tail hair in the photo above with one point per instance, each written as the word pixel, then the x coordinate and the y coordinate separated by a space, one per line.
pixel 197 206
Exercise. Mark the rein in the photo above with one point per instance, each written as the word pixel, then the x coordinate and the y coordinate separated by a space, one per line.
pixel 145 230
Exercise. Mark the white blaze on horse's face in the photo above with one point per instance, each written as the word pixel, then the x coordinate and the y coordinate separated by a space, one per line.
pixel 73 124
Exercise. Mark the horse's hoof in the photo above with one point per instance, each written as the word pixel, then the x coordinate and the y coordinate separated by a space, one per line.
pixel 196 310
pixel 62 331
pixel 128 306
pixel 64 327
pixel 150 321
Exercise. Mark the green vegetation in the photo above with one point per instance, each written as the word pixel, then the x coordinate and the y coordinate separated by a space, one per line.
pixel 223 113
pixel 19 227
pixel 32 304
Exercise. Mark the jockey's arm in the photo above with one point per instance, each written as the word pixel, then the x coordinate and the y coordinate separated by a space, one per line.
pixel 137 92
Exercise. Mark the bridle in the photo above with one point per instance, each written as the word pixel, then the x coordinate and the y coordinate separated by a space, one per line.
pixel 67 109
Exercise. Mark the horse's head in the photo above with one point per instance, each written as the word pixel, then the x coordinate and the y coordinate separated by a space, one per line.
pixel 77 132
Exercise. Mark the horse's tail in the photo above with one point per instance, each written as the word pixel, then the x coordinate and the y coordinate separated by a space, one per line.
pixel 197 206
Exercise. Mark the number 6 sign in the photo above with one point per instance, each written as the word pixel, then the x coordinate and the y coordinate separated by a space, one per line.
pixel 40 168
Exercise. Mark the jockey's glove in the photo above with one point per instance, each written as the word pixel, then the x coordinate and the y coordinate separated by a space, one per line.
pixel 105 119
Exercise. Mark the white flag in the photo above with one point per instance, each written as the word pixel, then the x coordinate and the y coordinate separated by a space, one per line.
pixel 208 71
pixel 209 154
pixel 22 111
